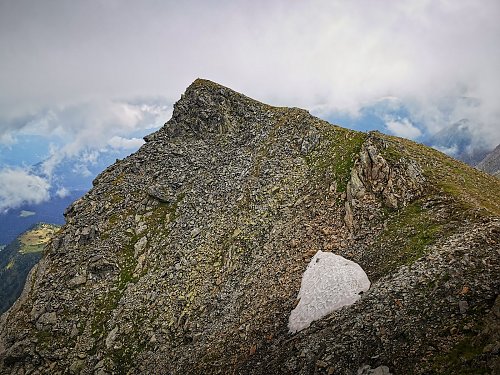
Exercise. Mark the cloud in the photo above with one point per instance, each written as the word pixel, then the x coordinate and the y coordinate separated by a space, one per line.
pixel 18 187
pixel 403 128
pixel 7 138
pixel 83 130
pixel 125 143
pixel 62 192
pixel 438 58
pixel 82 169
pixel 25 213
pixel 453 150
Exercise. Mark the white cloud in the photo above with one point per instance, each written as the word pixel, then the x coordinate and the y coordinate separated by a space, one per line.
pixel 86 129
pixel 403 128
pixel 18 187
pixel 447 150
pixel 125 143
pixel 62 192
pixel 82 169
pixel 25 213
pixel 438 58
pixel 89 157
pixel 7 139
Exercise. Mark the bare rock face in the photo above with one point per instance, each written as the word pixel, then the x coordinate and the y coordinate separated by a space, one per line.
pixel 187 256
pixel 373 178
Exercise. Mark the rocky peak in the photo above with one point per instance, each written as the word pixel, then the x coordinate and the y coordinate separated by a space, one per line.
pixel 207 108
pixel 187 256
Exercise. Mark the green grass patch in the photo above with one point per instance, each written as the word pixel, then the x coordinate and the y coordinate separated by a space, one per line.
pixel 119 179
pixel 461 359
pixel 163 214
pixel 127 265
pixel 116 198
pixel 334 157
pixel 34 240
pixel 27 249
pixel 43 338
pixel 406 238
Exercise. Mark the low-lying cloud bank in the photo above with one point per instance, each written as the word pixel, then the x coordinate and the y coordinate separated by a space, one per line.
pixel 80 136
pixel 20 186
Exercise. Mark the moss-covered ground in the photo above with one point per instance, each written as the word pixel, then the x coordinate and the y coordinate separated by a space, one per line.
pixel 406 238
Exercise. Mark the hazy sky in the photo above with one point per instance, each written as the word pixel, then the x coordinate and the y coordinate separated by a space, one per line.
pixel 97 73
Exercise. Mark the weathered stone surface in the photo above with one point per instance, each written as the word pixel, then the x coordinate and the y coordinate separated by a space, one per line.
pixel 163 193
pixel 47 319
pixel 77 280
pixel 110 339
pixel 380 370
pixel 140 246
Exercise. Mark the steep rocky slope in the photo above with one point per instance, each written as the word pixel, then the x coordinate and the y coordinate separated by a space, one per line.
pixel 187 256
pixel 491 163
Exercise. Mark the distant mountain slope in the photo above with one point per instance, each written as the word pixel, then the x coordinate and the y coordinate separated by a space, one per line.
pixel 14 222
pixel 458 141
pixel 17 259
pixel 491 163
pixel 187 257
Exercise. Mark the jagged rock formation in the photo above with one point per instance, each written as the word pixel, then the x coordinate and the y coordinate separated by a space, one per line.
pixel 491 163
pixel 187 256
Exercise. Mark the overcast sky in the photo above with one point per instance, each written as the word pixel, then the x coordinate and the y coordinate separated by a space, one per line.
pixel 100 71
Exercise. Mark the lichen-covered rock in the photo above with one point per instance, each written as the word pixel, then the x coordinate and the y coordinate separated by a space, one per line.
pixel 187 256
pixel 373 177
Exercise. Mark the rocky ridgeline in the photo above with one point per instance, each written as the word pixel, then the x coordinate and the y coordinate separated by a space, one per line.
pixel 187 256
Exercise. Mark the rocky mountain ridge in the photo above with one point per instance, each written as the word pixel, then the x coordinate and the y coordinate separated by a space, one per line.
pixel 491 163
pixel 187 256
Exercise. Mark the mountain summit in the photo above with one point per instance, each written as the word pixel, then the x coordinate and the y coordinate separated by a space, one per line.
pixel 187 256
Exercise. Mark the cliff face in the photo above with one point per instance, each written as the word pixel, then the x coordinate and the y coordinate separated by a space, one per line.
pixel 187 256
